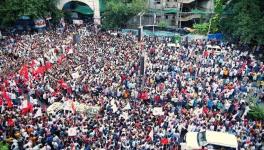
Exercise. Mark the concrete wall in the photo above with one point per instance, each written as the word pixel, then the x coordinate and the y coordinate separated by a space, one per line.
pixel 94 4
pixel 207 5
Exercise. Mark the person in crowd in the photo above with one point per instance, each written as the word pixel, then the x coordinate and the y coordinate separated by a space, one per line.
pixel 197 90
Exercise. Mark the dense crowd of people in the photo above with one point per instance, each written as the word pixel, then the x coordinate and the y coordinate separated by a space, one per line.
pixel 197 90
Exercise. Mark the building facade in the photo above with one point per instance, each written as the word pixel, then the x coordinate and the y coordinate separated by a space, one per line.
pixel 181 13
pixel 93 4
pixel 177 13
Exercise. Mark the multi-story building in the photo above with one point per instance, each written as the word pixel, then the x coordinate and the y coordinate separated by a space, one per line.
pixel 177 13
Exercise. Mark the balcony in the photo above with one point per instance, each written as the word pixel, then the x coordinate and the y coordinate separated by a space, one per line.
pixel 186 1
pixel 172 5
pixel 188 17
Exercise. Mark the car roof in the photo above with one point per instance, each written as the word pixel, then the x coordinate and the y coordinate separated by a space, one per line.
pixel 221 138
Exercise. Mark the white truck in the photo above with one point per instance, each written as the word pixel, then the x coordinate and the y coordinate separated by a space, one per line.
pixel 210 140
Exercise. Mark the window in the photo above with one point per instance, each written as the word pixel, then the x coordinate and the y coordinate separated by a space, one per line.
pixel 157 1
pixel 166 16
pixel 201 139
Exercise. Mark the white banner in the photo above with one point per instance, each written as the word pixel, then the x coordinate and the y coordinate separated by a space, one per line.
pixel 72 131
pixel 78 22
pixel 157 111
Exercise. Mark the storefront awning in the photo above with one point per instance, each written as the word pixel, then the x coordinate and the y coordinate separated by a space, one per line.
pixel 85 10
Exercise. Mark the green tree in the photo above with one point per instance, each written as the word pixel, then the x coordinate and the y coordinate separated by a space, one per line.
pixel 256 112
pixel 214 24
pixel 11 10
pixel 244 20
pixel 201 28
pixel 3 146
pixel 118 12
pixel 163 24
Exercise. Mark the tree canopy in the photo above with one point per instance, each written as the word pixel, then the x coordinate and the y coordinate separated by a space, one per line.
pixel 11 10
pixel 244 20
pixel 118 12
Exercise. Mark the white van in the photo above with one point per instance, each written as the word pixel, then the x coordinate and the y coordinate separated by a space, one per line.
pixel 215 49
pixel 211 140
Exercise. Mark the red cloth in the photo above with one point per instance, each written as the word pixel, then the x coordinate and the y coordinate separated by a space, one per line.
pixel 32 64
pixel 6 83
pixel 157 98
pixel 144 96
pixel 85 88
pixel 48 65
pixel 27 109
pixel 60 59
pixel 9 103
pixel 164 141
pixel 40 70
pixel 205 110
pixel 10 122
pixel 123 77
pixel 206 53
pixel 69 90
pixel 24 72
pixel 1 102
pixel 63 84
pixel 5 96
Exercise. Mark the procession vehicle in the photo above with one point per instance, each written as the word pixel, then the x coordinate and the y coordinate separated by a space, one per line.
pixel 210 140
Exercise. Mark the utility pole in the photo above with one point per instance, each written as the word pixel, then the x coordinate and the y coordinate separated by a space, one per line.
pixel 180 13
pixel 210 23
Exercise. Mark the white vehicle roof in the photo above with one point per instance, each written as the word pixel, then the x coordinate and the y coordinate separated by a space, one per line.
pixel 212 137
pixel 191 141
pixel 215 46
pixel 173 45
pixel 55 107
pixel 221 138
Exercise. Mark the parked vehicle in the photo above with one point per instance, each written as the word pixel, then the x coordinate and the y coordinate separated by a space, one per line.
pixel 211 140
